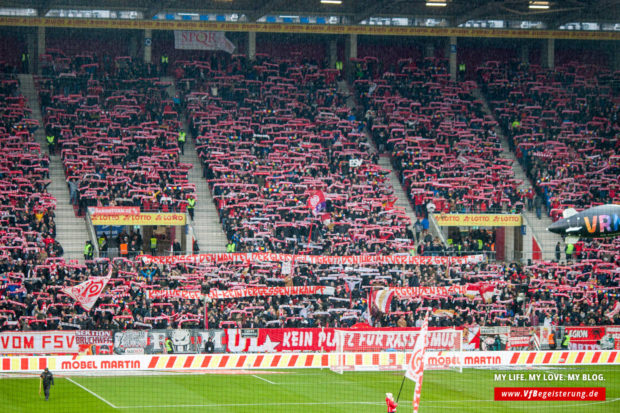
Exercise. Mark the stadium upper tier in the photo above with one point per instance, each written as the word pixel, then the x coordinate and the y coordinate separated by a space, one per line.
pixel 563 125
pixel 116 132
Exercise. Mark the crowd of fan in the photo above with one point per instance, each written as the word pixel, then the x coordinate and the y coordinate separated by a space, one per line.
pixel 274 135
pixel 563 125
pixel 270 134
pixel 443 146
pixel 116 132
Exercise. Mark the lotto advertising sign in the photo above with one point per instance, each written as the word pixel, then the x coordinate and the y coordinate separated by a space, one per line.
pixel 478 220
pixel 144 218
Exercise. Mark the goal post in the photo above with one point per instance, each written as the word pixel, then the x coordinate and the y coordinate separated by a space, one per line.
pixel 377 350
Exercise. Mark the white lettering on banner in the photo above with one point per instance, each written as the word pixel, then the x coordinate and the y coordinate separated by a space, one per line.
pixel 190 295
pixel 269 291
pixel 114 210
pixel 38 342
pixel 87 337
pixel 397 340
pixel 326 339
pixel 310 259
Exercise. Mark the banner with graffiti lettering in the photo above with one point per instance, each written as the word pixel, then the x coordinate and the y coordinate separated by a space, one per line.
pixel 268 291
pixel 183 341
pixel 188 295
pixel 114 210
pixel 202 40
pixel 413 292
pixel 311 259
pixel 584 338
pixel 240 293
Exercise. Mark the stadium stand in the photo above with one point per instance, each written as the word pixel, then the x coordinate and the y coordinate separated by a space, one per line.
pixel 257 128
pixel 562 125
pixel 443 146
pixel 116 133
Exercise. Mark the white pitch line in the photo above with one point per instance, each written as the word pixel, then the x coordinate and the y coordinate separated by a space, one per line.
pixel 177 406
pixel 260 378
pixel 562 406
pixel 92 392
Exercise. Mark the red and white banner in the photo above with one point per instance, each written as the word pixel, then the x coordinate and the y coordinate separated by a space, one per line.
pixel 94 337
pixel 614 332
pixel 415 369
pixel 269 340
pixel 43 342
pixel 246 292
pixel 272 340
pixel 399 339
pixel 115 210
pixel 182 362
pixel 87 293
pixel 202 40
pixel 413 292
pixel 188 295
pixel 584 338
pixel 382 299
pixel 268 291
pixel 311 259
pixel 523 337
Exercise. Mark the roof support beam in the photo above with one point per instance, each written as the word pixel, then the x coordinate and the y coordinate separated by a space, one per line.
pixel 44 8
pixel 266 8
pixel 477 13
pixel 368 12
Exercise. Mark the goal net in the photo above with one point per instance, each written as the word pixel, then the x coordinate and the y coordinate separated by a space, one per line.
pixel 392 350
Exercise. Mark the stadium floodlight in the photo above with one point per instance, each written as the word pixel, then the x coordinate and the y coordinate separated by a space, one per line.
pixel 544 5
pixel 331 1
pixel 436 3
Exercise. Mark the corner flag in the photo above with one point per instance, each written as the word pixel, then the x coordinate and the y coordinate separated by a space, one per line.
pixel 415 368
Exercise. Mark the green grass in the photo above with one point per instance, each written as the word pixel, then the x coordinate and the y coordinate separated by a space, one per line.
pixel 310 391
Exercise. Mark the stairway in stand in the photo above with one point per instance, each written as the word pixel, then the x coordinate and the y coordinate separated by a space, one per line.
pixel 206 225
pixel 70 230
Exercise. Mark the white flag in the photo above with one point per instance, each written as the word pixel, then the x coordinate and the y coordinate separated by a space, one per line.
pixel 415 368
pixel 382 299
pixel 202 40
pixel 87 293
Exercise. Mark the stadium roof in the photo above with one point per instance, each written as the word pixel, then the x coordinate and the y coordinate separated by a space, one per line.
pixel 454 12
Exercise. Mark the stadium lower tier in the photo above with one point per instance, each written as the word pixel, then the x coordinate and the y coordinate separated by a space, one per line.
pixel 353 361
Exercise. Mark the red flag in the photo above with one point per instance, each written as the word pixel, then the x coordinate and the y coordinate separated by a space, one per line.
pixel 316 202
pixel 415 368
pixel 87 293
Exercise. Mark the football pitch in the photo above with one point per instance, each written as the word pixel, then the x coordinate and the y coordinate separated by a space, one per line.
pixel 303 391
